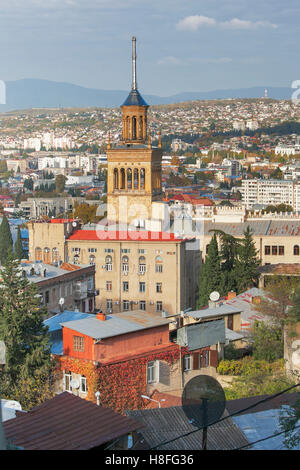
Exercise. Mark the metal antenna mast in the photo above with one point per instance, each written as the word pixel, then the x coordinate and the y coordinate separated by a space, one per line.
pixel 134 85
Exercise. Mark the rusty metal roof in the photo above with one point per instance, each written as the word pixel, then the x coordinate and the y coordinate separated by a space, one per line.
pixel 163 424
pixel 67 422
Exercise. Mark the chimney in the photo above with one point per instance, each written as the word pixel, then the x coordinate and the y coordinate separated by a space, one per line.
pixel 101 316
pixel 231 295
pixel 256 299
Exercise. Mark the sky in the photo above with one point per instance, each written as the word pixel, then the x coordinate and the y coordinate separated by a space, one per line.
pixel 182 45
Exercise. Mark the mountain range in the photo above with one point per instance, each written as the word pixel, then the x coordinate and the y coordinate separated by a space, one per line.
pixel 36 93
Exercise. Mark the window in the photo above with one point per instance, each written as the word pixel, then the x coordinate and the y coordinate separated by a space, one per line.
pixel 142 264
pixel 67 381
pixel 142 252
pixel 108 263
pixel 143 305
pixel 296 250
pixel 125 264
pixel 83 384
pixel 125 250
pixel 77 250
pixel 158 264
pixel 187 362
pixel 55 255
pixel 125 286
pixel 108 304
pixel 281 250
pixel 47 297
pixel 92 259
pixel 142 287
pixel 159 306
pixel 108 285
pixel 76 259
pixel 267 250
pixel 125 304
pixel 38 254
pixel 92 250
pixel 274 250
pixel 47 255
pixel 159 287
pixel 78 343
pixel 108 250
pixel 151 372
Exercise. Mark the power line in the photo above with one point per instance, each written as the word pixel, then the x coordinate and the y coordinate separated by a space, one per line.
pixel 228 416
pixel 264 439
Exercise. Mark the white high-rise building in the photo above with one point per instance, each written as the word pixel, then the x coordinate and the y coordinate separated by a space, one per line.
pixel 270 192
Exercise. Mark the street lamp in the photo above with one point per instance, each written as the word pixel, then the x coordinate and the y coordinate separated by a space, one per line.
pixel 156 401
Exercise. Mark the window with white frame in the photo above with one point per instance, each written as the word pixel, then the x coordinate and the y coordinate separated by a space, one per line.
pixel 125 304
pixel 125 264
pixel 108 263
pixel 67 381
pixel 142 264
pixel 152 375
pixel 83 384
pixel 159 306
pixel 187 362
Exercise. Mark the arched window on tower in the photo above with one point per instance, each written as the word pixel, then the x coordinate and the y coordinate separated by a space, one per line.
pixel 122 174
pixel 128 127
pixel 38 254
pixel 141 129
pixel 142 178
pixel 296 250
pixel 129 178
pixel 116 179
pixel 136 178
pixel 134 128
pixel 55 255
pixel 47 255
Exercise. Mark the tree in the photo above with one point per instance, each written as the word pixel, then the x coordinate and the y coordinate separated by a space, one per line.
pixel 247 263
pixel 26 339
pixel 19 252
pixel 6 241
pixel 85 212
pixel 229 254
pixel 60 181
pixel 210 275
pixel 28 184
pixel 268 342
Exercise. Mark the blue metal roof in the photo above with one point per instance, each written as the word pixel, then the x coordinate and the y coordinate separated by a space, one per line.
pixel 54 322
pixel 134 99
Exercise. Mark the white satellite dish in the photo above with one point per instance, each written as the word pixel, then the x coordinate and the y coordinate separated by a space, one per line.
pixel 74 383
pixel 74 224
pixel 214 296
pixel 61 301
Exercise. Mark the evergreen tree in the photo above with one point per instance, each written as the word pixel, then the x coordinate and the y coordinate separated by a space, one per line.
pixel 228 253
pixel 210 275
pixel 246 268
pixel 21 328
pixel 6 241
pixel 19 252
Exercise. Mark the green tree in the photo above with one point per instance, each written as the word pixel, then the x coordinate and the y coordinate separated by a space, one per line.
pixel 247 264
pixel 210 275
pixel 21 328
pixel 6 241
pixel 268 342
pixel 60 182
pixel 229 253
pixel 18 250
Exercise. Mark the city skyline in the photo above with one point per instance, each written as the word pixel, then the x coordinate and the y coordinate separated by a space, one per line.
pixel 198 46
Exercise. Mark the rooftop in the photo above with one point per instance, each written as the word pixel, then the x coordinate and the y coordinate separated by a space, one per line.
pixel 213 312
pixel 134 99
pixel 67 422
pixel 117 324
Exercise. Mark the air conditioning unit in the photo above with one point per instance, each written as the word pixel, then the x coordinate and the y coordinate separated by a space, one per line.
pixel 109 310
pixel 125 273
pixel 151 302
pixel 117 302
pixel 103 267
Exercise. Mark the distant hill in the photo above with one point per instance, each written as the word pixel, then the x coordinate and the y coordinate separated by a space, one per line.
pixel 35 93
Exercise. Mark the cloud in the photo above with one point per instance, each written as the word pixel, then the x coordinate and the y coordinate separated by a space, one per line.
pixel 194 23
pixel 170 60
pixel 236 23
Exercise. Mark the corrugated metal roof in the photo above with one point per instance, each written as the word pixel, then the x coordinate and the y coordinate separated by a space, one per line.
pixel 213 312
pixel 54 322
pixel 117 324
pixel 163 424
pixel 258 227
pixel 67 422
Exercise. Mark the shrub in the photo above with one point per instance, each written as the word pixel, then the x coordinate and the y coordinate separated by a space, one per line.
pixel 248 366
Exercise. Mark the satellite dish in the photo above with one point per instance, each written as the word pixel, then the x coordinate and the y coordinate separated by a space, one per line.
pixel 61 301
pixel 203 400
pixel 214 296
pixel 74 383
pixel 74 224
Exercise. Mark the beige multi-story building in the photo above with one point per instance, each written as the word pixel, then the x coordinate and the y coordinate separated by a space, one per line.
pixel 138 268
pixel 270 192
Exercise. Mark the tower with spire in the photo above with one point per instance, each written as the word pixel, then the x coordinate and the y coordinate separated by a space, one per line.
pixel 134 165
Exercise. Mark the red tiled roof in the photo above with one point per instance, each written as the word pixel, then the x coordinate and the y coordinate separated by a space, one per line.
pixel 123 235
pixel 60 221
pixel 67 422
